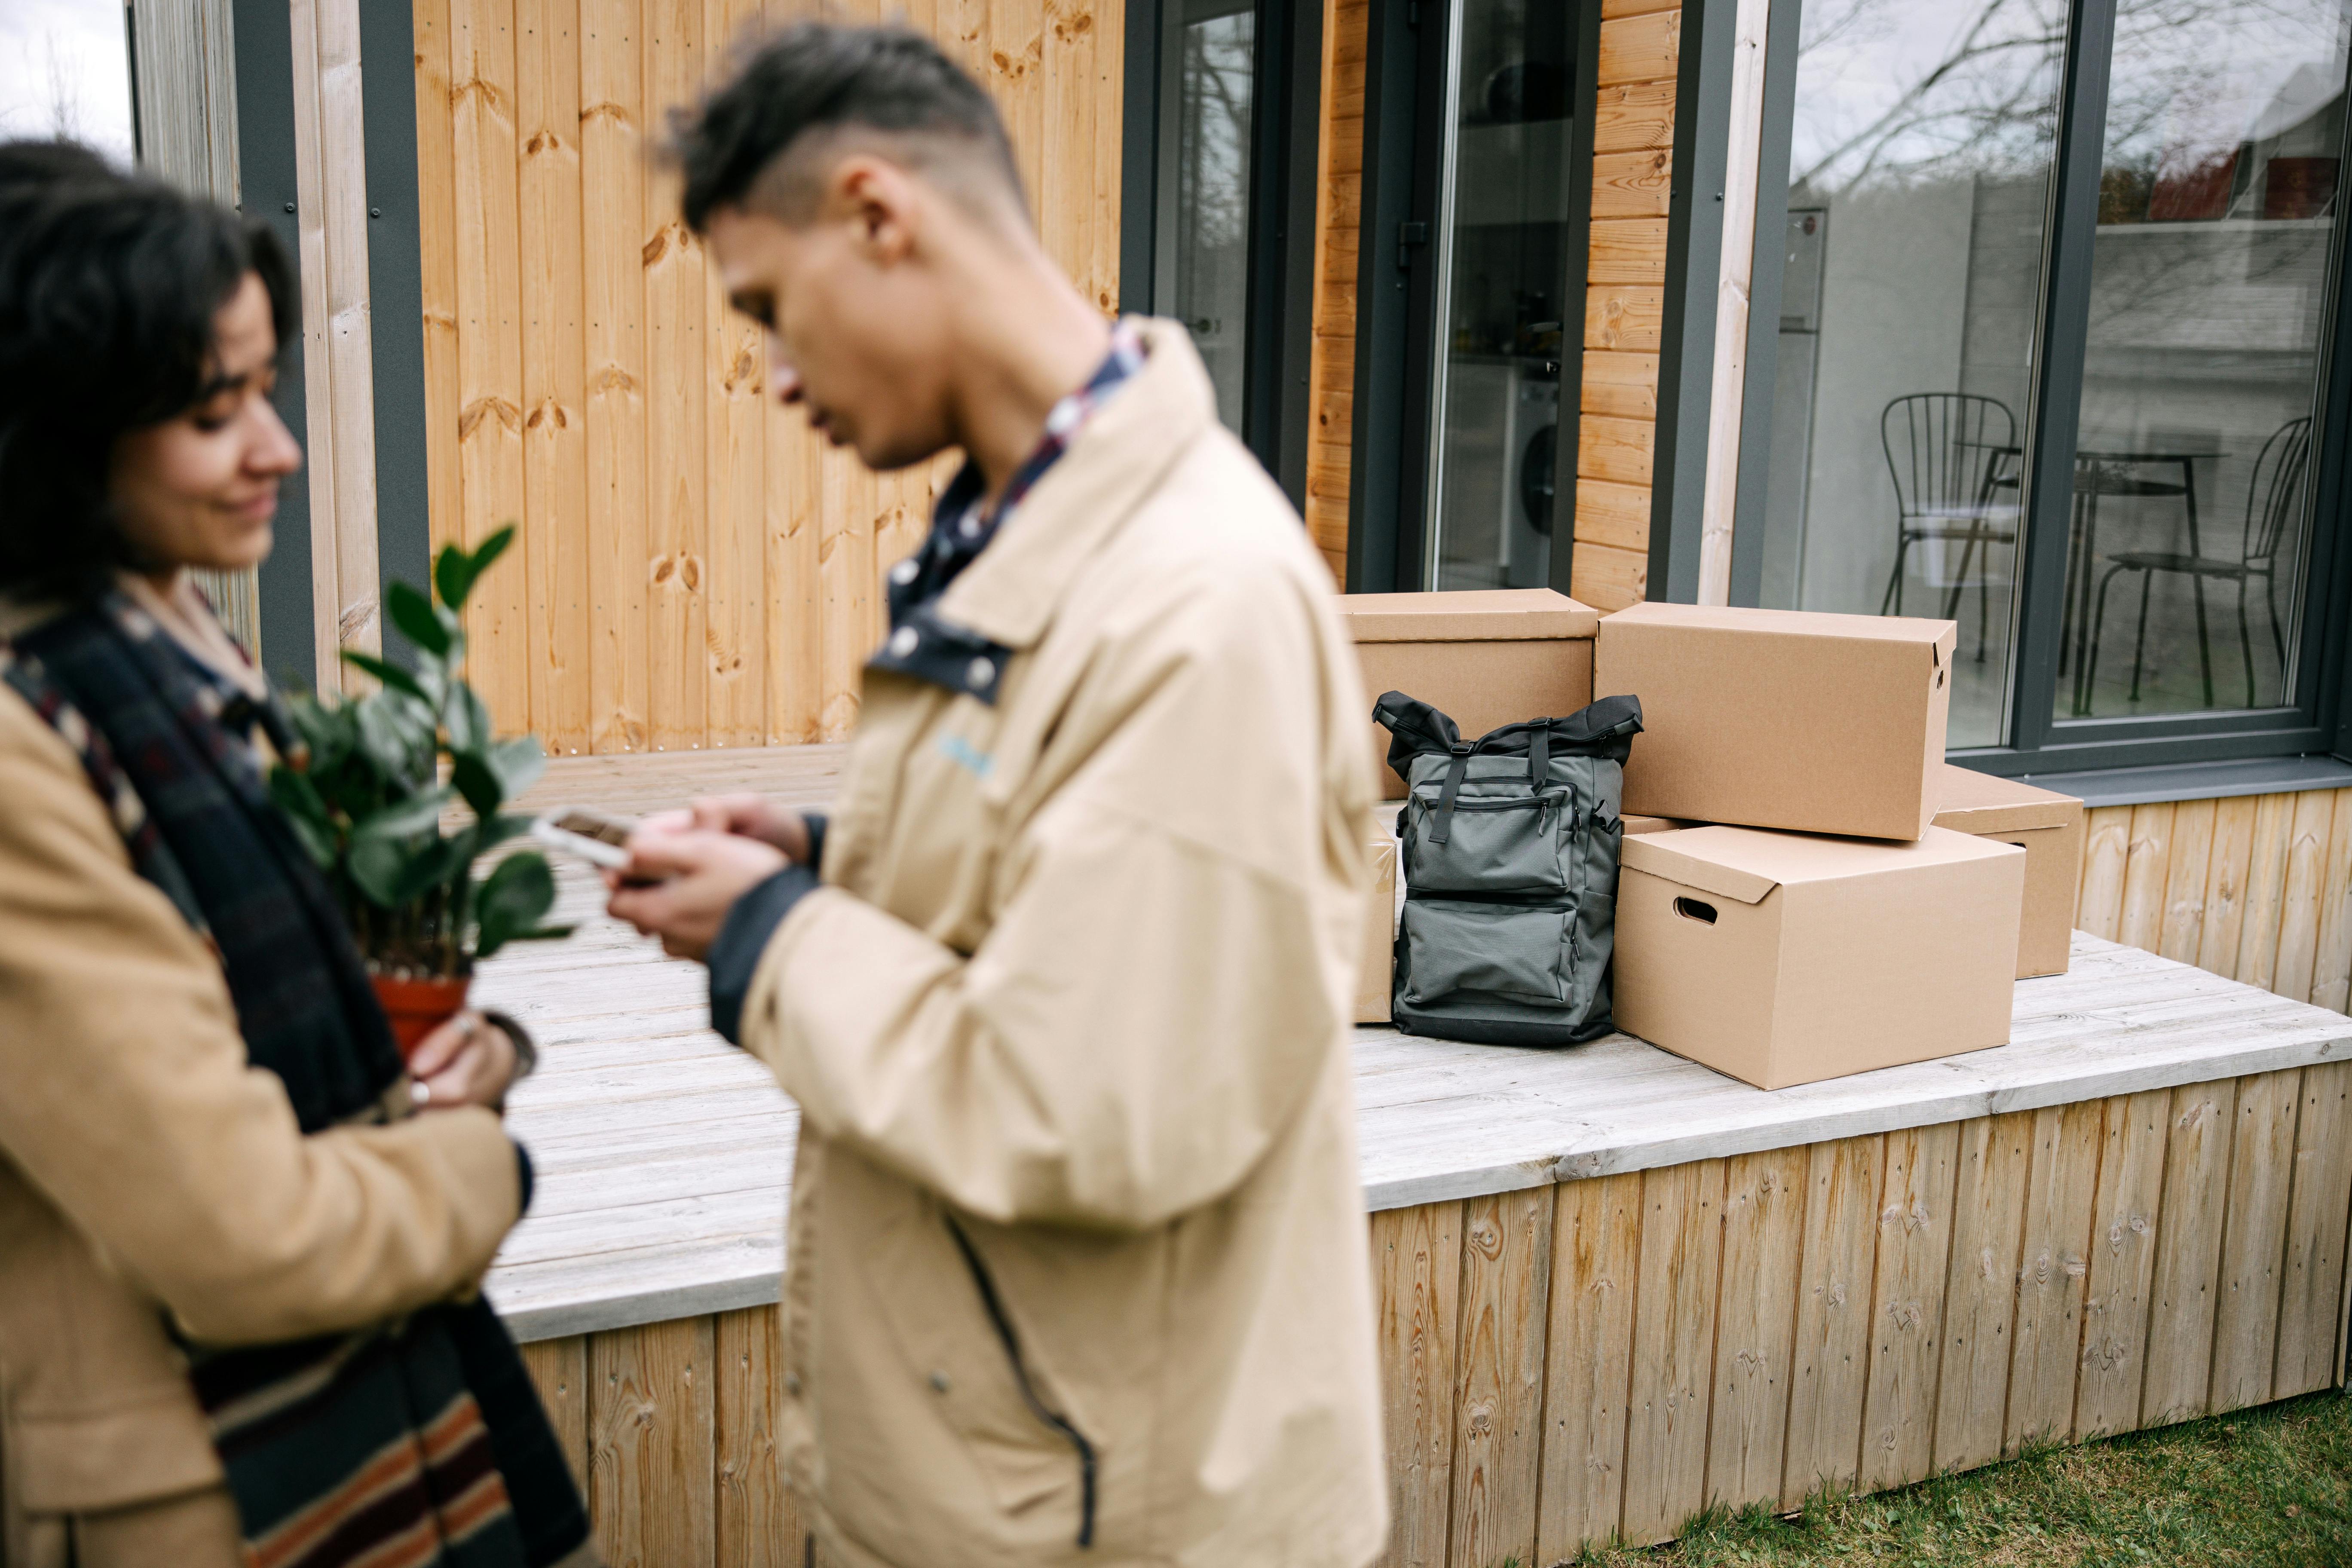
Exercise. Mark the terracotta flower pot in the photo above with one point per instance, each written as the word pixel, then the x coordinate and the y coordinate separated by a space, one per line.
pixel 418 1004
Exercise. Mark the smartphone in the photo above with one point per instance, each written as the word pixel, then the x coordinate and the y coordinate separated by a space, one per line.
pixel 599 838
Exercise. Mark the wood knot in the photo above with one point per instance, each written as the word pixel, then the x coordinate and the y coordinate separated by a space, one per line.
pixel 1077 26
pixel 607 110
pixel 689 571
pixel 542 142
pixel 506 413
pixel 663 568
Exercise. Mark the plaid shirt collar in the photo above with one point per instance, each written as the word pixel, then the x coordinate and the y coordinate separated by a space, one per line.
pixel 929 648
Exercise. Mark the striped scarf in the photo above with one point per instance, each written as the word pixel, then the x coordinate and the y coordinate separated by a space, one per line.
pixel 416 1444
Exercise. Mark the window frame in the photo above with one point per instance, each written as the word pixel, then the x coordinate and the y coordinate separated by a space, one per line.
pixel 2317 718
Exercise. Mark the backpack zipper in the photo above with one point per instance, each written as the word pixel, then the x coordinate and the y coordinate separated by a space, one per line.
pixel 1045 1413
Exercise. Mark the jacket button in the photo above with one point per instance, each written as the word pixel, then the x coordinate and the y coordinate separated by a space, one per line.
pixel 939 1382
pixel 980 673
pixel 903 641
pixel 792 1383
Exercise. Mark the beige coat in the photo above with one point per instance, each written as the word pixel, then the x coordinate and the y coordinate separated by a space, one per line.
pixel 1076 998
pixel 145 1168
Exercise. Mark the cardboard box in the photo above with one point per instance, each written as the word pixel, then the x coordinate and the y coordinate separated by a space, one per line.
pixel 2048 828
pixel 1783 958
pixel 1485 658
pixel 1634 824
pixel 1816 723
pixel 1376 978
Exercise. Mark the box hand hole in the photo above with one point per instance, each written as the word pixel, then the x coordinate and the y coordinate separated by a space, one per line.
pixel 1692 909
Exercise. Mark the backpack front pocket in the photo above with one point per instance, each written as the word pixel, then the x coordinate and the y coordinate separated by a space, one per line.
pixel 1503 845
pixel 1507 949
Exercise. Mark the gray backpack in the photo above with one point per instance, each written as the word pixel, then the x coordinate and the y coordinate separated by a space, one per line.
pixel 1509 861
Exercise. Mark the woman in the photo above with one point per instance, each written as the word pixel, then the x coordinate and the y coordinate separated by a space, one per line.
pixel 238 1271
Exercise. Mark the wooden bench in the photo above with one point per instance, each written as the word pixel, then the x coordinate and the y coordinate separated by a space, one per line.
pixel 1613 1286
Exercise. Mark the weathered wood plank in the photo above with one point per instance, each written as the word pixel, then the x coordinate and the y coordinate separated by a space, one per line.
pixel 1994 1157
pixel 2253 1241
pixel 2299 900
pixel 2118 1289
pixel 1673 1350
pixel 1596 1259
pixel 1844 1181
pixel 1756 1327
pixel 2184 1290
pixel 559 1371
pixel 2061 1188
pixel 1417 1273
pixel 1499 1402
pixel 650 1497
pixel 2225 886
pixel 1907 1325
pixel 2311 1292
pixel 756 1524
pixel 678 496
pixel 2106 846
pixel 2258 939
pixel 436 228
pixel 2146 862
pixel 2331 971
pixel 2185 874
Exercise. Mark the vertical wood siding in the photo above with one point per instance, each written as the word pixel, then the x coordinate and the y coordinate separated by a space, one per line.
pixel 2258 888
pixel 1607 1357
pixel 693 570
pixel 1339 224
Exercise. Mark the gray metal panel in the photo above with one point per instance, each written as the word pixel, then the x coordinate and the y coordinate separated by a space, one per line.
pixel 265 139
pixel 404 529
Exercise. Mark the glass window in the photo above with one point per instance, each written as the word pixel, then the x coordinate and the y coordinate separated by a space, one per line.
pixel 1502 236
pixel 1209 93
pixel 1919 169
pixel 2217 217
pixel 65 70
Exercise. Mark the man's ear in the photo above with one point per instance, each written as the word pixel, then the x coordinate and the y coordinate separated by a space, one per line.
pixel 882 202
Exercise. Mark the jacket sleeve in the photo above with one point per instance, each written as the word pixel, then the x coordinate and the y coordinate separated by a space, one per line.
pixel 130 1104
pixel 1154 997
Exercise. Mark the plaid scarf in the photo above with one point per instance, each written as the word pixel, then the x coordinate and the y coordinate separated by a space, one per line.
pixel 416 1444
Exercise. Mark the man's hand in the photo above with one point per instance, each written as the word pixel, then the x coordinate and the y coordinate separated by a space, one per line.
pixel 467 1061
pixel 753 816
pixel 692 877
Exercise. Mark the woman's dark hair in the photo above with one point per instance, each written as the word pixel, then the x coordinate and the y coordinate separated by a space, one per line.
pixel 108 285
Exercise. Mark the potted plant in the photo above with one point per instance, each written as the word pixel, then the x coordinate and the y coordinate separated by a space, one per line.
pixel 368 798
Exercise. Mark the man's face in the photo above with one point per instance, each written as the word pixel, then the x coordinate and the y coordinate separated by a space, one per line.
pixel 856 329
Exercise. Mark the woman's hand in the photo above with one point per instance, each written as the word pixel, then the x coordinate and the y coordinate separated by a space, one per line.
pixel 467 1061
pixel 751 816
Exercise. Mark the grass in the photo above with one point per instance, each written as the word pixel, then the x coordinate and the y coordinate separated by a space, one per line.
pixel 2271 1487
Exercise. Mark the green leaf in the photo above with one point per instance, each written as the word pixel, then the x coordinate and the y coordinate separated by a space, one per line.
pixel 388 673
pixel 306 814
pixel 467 720
pixel 478 781
pixel 511 901
pixel 395 872
pixel 519 763
pixel 456 571
pixel 413 614
pixel 397 734
pixel 405 819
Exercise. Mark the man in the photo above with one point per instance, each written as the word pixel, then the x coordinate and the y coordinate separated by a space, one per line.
pixel 1078 1268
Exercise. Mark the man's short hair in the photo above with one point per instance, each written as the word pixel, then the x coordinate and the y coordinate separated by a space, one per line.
pixel 763 138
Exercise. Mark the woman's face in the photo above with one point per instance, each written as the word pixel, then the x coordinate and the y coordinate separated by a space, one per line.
pixel 201 488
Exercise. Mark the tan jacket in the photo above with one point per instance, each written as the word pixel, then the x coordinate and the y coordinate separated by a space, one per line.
pixel 1075 998
pixel 146 1167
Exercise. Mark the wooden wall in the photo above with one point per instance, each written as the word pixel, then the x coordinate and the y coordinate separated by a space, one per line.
pixel 1625 302
pixel 694 570
pixel 2258 888
pixel 1339 225
pixel 1567 1362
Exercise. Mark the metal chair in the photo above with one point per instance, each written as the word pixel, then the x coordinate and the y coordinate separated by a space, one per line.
pixel 2280 468
pixel 1952 446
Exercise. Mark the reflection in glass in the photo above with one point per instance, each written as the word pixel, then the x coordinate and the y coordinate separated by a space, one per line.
pixel 1496 392
pixel 2217 219
pixel 1204 183
pixel 1919 170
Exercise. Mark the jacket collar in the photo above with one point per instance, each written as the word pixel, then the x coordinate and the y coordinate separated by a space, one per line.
pixel 1010 593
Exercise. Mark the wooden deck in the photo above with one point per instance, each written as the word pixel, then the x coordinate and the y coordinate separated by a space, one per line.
pixel 1613 1286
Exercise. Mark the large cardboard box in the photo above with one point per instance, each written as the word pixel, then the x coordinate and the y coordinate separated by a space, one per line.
pixel 1816 723
pixel 1783 958
pixel 1376 977
pixel 1485 657
pixel 2048 828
